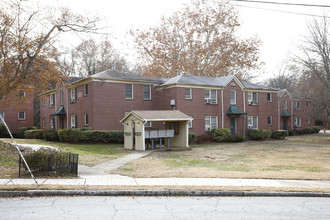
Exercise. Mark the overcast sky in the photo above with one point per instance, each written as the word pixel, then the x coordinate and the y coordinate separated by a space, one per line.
pixel 279 32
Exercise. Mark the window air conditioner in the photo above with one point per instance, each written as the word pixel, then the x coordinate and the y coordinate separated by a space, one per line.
pixel 250 127
pixel 208 101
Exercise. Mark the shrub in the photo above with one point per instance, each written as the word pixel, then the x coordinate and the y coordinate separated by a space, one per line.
pixel 235 138
pixel 316 129
pixel 3 131
pixel 34 134
pixel 69 135
pixel 21 130
pixel 191 136
pixel 102 136
pixel 202 139
pixel 220 134
pixel 50 135
pixel 258 134
pixel 280 134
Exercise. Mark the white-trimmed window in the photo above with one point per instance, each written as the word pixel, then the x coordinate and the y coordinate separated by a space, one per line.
pixel 21 93
pixel 147 92
pixel 86 119
pixel 85 89
pixel 285 104
pixel 52 100
pixel 61 97
pixel 43 101
pixel 3 116
pixel 187 93
pixel 252 98
pixel 73 95
pixel 128 91
pixel 308 121
pixel 52 123
pixel 269 120
pixel 21 115
pixel 252 122
pixel 297 121
pixel 297 105
pixel 210 96
pixel 148 124
pixel 74 121
pixel 269 97
pixel 233 97
pixel 190 124
pixel 211 122
pixel 307 103
pixel 43 123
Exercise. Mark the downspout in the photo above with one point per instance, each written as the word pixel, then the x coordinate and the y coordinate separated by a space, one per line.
pixel 56 118
pixel 278 115
pixel 244 116
pixel 67 107
pixel 222 114
pixel 291 114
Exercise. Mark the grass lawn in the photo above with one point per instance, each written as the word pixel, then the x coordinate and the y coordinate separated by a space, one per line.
pixel 89 154
pixel 298 157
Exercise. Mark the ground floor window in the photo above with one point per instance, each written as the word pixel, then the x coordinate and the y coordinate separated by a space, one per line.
pixel 189 124
pixel 86 119
pixel 74 121
pixel 297 121
pixel 43 123
pixel 269 120
pixel 252 122
pixel 308 120
pixel 21 115
pixel 52 123
pixel 211 122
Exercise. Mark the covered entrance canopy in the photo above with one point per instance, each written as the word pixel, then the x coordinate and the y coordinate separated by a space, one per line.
pixel 59 112
pixel 175 128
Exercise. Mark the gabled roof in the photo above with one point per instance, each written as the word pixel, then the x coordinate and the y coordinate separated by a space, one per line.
pixel 282 92
pixel 73 79
pixel 159 115
pixel 60 111
pixel 199 80
pixel 249 85
pixel 114 75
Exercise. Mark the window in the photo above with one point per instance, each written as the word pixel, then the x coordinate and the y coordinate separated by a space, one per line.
pixel 285 104
pixel 43 123
pixel 307 103
pixel 43 101
pixel 86 119
pixel 21 115
pixel 252 122
pixel 52 100
pixel 233 97
pixel 190 124
pixel 211 122
pixel 148 124
pixel 86 90
pixel 74 121
pixel 2 116
pixel 147 92
pixel 210 96
pixel 187 93
pixel 297 121
pixel 269 97
pixel 308 120
pixel 296 105
pixel 73 95
pixel 128 91
pixel 269 120
pixel 52 123
pixel 252 98
pixel 61 97
pixel 21 93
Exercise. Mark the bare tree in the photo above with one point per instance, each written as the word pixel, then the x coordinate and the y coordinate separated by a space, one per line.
pixel 26 44
pixel 285 77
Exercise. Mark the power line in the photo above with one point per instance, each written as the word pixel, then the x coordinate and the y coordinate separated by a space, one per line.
pixel 283 3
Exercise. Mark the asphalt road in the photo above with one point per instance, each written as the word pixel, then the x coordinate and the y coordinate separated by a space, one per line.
pixel 165 208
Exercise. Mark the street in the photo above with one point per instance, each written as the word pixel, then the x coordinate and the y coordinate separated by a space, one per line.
pixel 165 208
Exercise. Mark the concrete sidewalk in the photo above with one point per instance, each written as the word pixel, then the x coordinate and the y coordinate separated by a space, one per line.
pixel 117 180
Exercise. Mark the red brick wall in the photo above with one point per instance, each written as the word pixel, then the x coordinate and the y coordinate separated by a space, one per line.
pixel 11 113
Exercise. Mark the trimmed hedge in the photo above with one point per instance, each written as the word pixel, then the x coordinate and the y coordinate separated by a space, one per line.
pixel 21 131
pixel 50 135
pixel 259 134
pixel 310 130
pixel 236 138
pixel 223 135
pixel 3 131
pixel 34 134
pixel 191 136
pixel 202 139
pixel 280 134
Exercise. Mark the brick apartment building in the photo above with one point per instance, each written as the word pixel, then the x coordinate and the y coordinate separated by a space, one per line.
pixel 100 101
pixel 17 113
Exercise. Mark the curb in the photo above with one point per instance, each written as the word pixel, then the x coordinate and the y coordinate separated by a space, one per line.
pixel 32 193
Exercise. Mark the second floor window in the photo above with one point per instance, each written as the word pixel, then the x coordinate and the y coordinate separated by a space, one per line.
pixel 252 98
pixel 269 97
pixel 147 92
pixel 297 105
pixel 86 90
pixel 233 97
pixel 210 96
pixel 61 97
pixel 187 93
pixel 285 104
pixel 52 100
pixel 128 91
pixel 73 95
pixel 21 93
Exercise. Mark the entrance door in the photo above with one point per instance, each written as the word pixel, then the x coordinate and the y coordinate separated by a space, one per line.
pixel 61 122
pixel 285 123
pixel 233 125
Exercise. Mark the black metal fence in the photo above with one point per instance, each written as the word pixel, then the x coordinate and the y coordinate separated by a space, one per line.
pixel 56 164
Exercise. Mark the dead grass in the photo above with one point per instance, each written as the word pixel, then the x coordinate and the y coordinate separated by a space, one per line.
pixel 269 160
